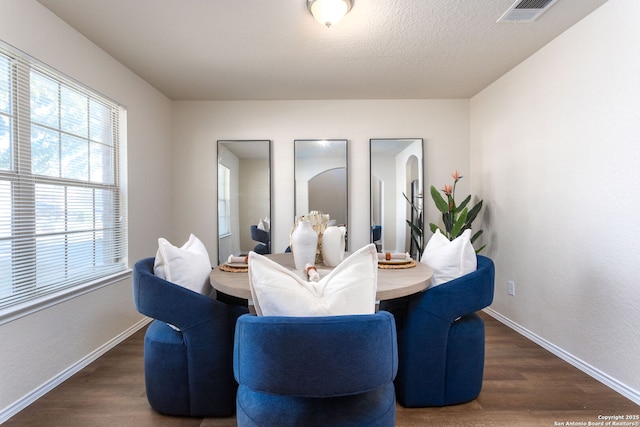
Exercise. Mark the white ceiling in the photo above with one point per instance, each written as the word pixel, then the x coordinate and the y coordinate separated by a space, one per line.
pixel 273 49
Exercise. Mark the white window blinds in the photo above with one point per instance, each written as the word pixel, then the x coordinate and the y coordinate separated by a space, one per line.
pixel 62 207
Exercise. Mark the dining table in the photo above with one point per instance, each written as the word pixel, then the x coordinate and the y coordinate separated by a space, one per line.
pixel 395 279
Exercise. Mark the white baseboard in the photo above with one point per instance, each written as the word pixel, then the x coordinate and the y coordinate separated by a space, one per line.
pixel 34 395
pixel 623 389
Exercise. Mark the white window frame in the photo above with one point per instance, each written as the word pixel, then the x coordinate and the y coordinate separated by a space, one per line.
pixel 77 241
pixel 224 201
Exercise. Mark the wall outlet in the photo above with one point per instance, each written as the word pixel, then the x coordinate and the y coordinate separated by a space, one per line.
pixel 511 288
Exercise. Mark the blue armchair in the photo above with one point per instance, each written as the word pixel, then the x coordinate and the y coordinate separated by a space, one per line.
pixel 187 371
pixel 264 239
pixel 441 340
pixel 316 371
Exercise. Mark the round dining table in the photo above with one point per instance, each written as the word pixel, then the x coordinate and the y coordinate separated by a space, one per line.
pixel 394 281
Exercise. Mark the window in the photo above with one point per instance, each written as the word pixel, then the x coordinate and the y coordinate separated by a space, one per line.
pixel 224 201
pixel 62 210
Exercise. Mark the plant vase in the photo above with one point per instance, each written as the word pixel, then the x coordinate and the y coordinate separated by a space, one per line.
pixel 333 244
pixel 304 244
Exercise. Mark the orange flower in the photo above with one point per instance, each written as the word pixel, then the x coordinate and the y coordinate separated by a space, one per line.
pixel 456 176
pixel 448 189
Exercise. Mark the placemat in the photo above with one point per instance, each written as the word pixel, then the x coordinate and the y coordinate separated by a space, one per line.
pixel 232 269
pixel 410 264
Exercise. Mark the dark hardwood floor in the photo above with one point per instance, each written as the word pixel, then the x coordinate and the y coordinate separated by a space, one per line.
pixel 524 385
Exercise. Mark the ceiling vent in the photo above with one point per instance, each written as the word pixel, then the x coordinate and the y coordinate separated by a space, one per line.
pixel 526 10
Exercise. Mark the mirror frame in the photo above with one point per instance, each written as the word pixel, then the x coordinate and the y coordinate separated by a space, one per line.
pixel 297 149
pixel 246 235
pixel 395 144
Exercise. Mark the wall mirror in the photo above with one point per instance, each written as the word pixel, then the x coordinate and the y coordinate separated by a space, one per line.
pixel 396 168
pixel 321 178
pixel 244 197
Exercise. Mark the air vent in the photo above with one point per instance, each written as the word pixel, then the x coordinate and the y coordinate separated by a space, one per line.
pixel 526 10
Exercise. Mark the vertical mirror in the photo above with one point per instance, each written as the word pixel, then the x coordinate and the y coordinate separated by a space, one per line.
pixel 244 198
pixel 396 168
pixel 321 178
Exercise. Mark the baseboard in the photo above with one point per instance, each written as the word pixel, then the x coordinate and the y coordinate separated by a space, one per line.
pixel 34 395
pixel 623 389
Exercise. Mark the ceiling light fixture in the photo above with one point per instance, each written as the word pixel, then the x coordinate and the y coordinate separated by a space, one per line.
pixel 328 12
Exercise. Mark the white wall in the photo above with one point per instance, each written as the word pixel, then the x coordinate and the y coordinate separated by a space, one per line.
pixel 555 148
pixel 406 172
pixel 38 347
pixel 444 125
pixel 384 168
pixel 254 198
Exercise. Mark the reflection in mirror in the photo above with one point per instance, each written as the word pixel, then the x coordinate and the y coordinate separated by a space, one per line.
pixel 244 198
pixel 321 178
pixel 396 168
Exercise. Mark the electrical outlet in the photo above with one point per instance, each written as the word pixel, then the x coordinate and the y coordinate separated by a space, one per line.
pixel 511 288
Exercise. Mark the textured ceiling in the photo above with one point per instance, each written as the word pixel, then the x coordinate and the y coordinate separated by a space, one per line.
pixel 265 50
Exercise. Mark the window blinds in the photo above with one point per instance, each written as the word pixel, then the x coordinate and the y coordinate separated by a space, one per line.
pixel 62 207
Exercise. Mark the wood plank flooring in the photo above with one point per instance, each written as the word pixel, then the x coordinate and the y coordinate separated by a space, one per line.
pixel 524 385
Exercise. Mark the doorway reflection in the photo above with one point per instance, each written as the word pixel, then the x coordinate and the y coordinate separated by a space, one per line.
pixel 321 178
pixel 396 169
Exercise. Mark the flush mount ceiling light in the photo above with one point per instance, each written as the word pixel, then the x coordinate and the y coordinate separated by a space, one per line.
pixel 328 12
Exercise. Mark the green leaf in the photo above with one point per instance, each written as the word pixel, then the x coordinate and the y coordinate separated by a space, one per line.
pixel 434 227
pixel 463 204
pixel 415 242
pixel 448 220
pixel 414 228
pixel 475 236
pixel 481 248
pixel 474 212
pixel 441 204
pixel 459 225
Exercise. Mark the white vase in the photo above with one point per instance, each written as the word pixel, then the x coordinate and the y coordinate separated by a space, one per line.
pixel 333 240
pixel 304 244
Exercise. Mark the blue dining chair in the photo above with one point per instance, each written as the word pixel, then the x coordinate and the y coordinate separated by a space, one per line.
pixel 264 239
pixel 441 340
pixel 188 348
pixel 316 371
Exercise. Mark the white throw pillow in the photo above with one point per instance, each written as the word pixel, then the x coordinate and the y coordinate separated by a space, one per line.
pixel 188 266
pixel 449 259
pixel 350 288
pixel 263 225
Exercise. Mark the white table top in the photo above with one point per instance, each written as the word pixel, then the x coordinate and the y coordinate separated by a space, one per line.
pixel 392 283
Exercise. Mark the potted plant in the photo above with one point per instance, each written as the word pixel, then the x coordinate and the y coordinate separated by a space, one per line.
pixel 456 218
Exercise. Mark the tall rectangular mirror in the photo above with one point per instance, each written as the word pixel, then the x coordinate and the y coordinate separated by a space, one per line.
pixel 244 197
pixel 321 178
pixel 396 168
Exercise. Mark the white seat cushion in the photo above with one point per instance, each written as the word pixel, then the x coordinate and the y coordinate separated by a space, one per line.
pixel 350 288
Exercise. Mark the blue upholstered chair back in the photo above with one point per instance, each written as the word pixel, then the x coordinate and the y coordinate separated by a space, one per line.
pixel 291 365
pixel 464 295
pixel 188 371
pixel 168 302
pixel 376 233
